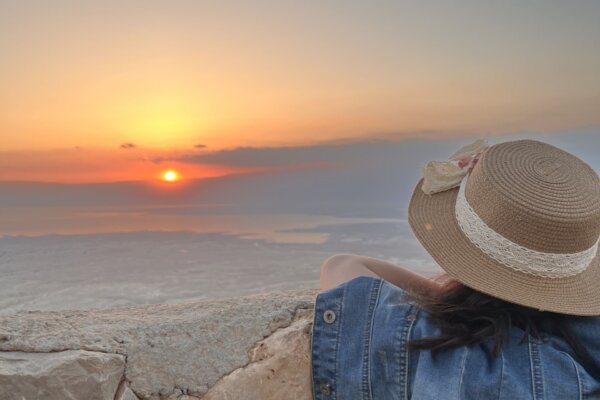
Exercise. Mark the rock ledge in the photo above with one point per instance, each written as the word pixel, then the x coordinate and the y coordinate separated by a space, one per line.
pixel 250 347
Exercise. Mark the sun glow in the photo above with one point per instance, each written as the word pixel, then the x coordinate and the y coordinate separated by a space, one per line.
pixel 170 176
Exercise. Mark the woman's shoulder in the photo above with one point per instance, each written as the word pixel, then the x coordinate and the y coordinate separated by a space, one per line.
pixel 365 323
pixel 371 296
pixel 357 288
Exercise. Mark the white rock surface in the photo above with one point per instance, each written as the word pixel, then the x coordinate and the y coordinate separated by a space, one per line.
pixel 279 368
pixel 127 395
pixel 180 351
pixel 70 374
pixel 124 392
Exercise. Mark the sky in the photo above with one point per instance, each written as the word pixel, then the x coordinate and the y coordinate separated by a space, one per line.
pixel 119 91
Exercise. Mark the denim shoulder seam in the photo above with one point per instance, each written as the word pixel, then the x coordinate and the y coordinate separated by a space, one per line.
pixel 373 301
pixel 462 369
pixel 501 373
pixel 412 309
pixel 579 384
pixel 337 341
pixel 537 380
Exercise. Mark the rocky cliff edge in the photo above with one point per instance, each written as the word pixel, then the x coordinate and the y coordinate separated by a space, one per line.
pixel 250 347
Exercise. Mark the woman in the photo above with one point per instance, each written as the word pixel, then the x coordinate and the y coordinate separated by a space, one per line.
pixel 516 228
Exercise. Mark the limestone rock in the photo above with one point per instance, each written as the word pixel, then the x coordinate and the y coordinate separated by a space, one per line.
pixel 128 395
pixel 70 374
pixel 125 393
pixel 279 368
pixel 172 350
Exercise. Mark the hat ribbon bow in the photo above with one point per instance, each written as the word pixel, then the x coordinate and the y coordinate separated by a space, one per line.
pixel 443 175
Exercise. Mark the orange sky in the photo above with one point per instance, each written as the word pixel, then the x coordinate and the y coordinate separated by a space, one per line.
pixel 79 79
pixel 78 165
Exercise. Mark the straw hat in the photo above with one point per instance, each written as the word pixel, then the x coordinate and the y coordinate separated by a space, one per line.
pixel 518 220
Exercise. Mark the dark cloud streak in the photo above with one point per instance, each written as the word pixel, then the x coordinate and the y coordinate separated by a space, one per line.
pixel 375 150
pixel 283 156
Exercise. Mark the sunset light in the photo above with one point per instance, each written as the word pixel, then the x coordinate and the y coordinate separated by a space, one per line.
pixel 164 164
pixel 170 176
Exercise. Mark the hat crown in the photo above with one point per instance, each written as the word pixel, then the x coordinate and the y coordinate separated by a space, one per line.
pixel 536 195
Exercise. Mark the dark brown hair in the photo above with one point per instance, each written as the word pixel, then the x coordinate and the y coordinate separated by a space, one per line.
pixel 468 317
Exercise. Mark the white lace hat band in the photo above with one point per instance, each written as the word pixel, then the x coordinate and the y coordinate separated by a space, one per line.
pixel 513 255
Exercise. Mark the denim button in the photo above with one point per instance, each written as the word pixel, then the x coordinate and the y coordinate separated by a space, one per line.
pixel 325 389
pixel 329 316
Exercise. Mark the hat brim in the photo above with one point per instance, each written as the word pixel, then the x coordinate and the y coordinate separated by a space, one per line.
pixel 432 219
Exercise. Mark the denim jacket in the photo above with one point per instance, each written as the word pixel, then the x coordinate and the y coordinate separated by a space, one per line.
pixel 359 351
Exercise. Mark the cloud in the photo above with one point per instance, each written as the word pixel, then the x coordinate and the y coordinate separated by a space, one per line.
pixel 346 153
pixel 375 150
pixel 370 178
pixel 128 146
pixel 200 146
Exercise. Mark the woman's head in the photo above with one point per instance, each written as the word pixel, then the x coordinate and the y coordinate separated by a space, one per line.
pixel 523 225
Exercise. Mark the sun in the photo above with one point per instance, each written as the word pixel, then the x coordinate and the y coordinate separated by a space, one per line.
pixel 170 176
